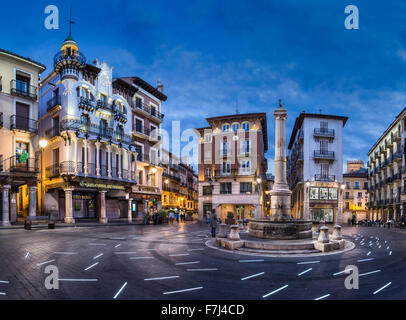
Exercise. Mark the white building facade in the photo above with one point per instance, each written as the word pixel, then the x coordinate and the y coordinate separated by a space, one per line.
pixel 314 167
pixel 90 162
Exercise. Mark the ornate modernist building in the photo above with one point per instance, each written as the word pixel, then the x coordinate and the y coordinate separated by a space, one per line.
pixel 386 165
pixel 232 165
pixel 356 191
pixel 314 167
pixel 18 136
pixel 91 156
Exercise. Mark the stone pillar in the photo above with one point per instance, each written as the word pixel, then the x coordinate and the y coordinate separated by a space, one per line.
pixel 75 154
pixel 394 213
pixel 337 233
pixel 306 209
pixel 32 201
pixel 258 211
pixel 97 159
pixel 323 236
pixel 339 217
pixel 109 160
pixel 85 150
pixel 13 207
pixel 129 153
pixel 402 212
pixel 6 211
pixel 280 194
pixel 69 206
pixel 119 162
pixel 130 216
pixel 234 234
pixel 222 231
pixel 103 217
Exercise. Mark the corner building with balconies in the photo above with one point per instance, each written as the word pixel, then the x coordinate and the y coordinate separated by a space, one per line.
pixel 90 161
pixel 386 172
pixel 232 166
pixel 18 136
pixel 315 167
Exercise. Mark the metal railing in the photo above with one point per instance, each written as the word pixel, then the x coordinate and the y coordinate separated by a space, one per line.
pixel 18 164
pixel 142 129
pixel 104 105
pixel 22 88
pixel 322 132
pixel 322 154
pixel 152 111
pixel 76 57
pixel 52 171
pixel 53 102
pixel 23 124
pixel 322 177
pixel 170 176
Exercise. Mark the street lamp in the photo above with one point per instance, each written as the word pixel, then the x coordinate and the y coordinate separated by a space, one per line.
pixel 42 143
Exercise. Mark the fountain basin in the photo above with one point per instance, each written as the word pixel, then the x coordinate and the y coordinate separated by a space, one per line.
pixel 280 230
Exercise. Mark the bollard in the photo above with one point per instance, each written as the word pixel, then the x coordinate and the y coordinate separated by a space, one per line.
pixel 234 234
pixel 337 233
pixel 323 236
pixel 240 225
pixel 222 231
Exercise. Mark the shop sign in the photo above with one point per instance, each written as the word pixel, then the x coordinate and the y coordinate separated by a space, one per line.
pixel 100 186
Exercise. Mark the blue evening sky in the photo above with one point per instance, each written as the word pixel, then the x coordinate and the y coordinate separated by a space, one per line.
pixel 211 53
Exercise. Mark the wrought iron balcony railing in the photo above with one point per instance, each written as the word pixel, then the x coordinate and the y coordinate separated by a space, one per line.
pixel 23 124
pixel 325 133
pixel 23 89
pixel 19 163
pixel 322 154
pixel 152 111
pixel 53 102
pixel 326 178
pixel 64 58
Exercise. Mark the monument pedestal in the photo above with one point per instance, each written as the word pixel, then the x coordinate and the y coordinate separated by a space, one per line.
pixel 280 230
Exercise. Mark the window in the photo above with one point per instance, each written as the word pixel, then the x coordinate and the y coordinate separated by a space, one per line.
pixel 207 190
pixel 207 138
pixel 225 188
pixel 225 148
pixel 324 170
pixel 226 127
pixel 347 205
pixel 236 127
pixel 359 194
pixel 359 204
pixel 322 214
pixel 207 172
pixel 245 146
pixel 314 193
pixel 246 187
pixel 138 102
pixel 245 166
pixel 153 110
pixel 22 152
pixel 347 195
pixel 323 126
pixel 103 127
pixel 246 126
pixel 365 185
pixel 323 193
pixel 356 185
pixel 323 146
pixel 348 185
pixel 226 168
pixel 332 194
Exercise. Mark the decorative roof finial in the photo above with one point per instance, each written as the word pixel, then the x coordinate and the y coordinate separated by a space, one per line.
pixel 70 21
pixel 280 103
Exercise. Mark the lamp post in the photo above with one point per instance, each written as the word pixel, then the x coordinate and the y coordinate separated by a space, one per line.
pixel 258 179
pixel 42 143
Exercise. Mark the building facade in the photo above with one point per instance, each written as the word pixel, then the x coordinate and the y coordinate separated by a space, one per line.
pixel 356 191
pixel 386 168
pixel 19 136
pixel 147 118
pixel 90 160
pixel 314 167
pixel 232 166
pixel 179 187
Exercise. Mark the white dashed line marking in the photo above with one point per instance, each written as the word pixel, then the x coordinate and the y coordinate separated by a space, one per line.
pixel 253 276
pixel 119 291
pixel 178 255
pixel 4 281
pixel 251 261
pixel 275 291
pixel 322 297
pixel 184 290
pixel 308 262
pixel 207 269
pixel 93 265
pixel 380 289
pixel 98 256
pixel 306 271
pixel 367 273
pixel 161 278
pixel 183 263
pixel 363 260
pixel 40 264
pixel 141 258
pixel 78 280
pixel 67 253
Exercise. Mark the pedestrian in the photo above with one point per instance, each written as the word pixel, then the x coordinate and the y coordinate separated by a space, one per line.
pixel 171 216
pixel 177 217
pixel 146 218
pixel 208 217
pixel 155 217
pixel 389 223
pixel 213 224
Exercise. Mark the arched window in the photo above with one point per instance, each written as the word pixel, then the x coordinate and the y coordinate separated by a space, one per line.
pixel 235 126
pixel 246 126
pixel 226 127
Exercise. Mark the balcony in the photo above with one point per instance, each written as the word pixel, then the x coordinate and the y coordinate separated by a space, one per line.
pixel 324 133
pixel 53 102
pixel 23 124
pixel 86 104
pixel 104 106
pixel 172 177
pixel 62 59
pixel 142 130
pixel 16 164
pixel 52 132
pixel 224 152
pixel 147 109
pixel 324 155
pixel 398 155
pixel 52 171
pixel 23 89
pixel 324 178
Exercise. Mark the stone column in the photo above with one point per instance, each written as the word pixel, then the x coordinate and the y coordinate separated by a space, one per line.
pixel 85 150
pixel 6 211
pixel 280 194
pixel 129 153
pixel 306 209
pixel 130 216
pixel 103 217
pixel 97 159
pixel 75 153
pixel 109 160
pixel 32 201
pixel 13 207
pixel 402 212
pixel 69 206
pixel 119 162
pixel 339 217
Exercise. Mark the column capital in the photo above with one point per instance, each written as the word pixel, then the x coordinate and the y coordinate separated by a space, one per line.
pixel 6 186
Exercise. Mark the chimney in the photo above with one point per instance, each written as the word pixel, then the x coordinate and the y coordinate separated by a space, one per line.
pixel 160 86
